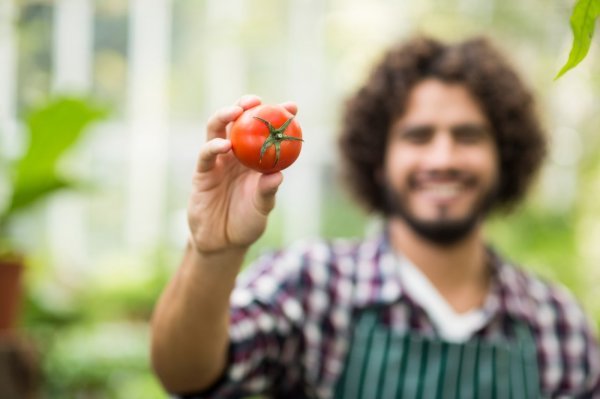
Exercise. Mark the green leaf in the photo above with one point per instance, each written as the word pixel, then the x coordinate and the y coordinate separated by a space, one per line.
pixel 31 191
pixel 53 129
pixel 583 21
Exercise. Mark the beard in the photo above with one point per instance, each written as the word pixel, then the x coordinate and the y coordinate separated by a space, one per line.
pixel 444 231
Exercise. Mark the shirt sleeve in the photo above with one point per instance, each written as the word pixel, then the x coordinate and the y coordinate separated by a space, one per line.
pixel 592 363
pixel 265 334
pixel 578 354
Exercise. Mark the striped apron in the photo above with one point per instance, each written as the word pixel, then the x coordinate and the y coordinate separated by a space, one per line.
pixel 386 364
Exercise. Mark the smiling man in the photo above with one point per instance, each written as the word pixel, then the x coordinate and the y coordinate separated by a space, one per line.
pixel 439 136
pixel 441 163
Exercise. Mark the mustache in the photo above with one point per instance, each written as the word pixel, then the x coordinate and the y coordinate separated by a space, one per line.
pixel 456 175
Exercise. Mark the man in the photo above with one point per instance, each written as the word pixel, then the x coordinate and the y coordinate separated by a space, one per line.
pixel 438 136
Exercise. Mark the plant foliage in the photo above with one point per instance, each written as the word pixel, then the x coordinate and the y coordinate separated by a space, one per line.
pixel 583 20
pixel 51 129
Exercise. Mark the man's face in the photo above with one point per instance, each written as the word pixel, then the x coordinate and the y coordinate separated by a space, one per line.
pixel 441 163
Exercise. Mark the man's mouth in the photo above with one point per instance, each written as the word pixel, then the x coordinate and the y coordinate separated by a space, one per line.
pixel 442 191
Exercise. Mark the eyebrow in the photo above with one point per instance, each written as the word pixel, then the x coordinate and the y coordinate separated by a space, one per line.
pixel 477 128
pixel 428 128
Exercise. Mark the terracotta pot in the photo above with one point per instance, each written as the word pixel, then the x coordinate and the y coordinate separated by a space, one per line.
pixel 11 270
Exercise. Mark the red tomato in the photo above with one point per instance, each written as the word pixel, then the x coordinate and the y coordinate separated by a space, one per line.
pixel 266 138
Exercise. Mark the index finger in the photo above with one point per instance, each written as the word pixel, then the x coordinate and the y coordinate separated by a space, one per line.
pixel 217 123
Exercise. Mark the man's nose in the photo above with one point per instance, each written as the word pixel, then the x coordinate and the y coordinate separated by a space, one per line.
pixel 441 152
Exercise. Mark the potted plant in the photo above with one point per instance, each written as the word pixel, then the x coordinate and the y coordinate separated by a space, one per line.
pixel 51 130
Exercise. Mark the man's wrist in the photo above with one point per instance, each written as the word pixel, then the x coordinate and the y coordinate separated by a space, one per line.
pixel 232 256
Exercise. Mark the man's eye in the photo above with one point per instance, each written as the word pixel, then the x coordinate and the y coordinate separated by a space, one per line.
pixel 417 134
pixel 470 134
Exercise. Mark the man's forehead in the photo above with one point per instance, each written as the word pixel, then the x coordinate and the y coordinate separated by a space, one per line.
pixel 435 100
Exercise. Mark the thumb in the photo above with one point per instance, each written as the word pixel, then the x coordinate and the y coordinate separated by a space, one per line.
pixel 267 187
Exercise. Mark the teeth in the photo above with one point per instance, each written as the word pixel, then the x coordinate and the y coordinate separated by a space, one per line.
pixel 443 190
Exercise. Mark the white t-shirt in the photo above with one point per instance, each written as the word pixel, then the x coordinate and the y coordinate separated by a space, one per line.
pixel 451 326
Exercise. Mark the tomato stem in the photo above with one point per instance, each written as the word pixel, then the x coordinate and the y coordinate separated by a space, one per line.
pixel 276 136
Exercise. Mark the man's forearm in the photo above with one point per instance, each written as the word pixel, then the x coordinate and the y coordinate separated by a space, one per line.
pixel 190 324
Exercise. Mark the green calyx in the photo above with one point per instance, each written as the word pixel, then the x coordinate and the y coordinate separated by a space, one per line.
pixel 276 136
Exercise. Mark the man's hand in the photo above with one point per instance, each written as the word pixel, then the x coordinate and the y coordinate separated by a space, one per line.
pixel 230 203
pixel 227 212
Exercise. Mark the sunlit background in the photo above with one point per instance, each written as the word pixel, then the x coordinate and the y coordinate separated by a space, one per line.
pixel 152 71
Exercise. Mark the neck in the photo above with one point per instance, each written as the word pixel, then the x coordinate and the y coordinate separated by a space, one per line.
pixel 458 271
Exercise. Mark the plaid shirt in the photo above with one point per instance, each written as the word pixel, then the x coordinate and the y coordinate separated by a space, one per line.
pixel 292 314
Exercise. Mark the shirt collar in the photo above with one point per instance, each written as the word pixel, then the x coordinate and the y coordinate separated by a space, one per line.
pixel 378 281
pixel 376 278
pixel 509 289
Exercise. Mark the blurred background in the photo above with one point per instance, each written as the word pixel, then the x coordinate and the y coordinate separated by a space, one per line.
pixel 107 99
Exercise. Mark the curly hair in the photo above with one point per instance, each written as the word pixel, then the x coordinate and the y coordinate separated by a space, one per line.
pixel 474 63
